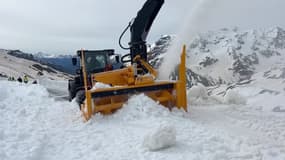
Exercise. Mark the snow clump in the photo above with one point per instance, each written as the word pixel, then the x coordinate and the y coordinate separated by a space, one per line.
pixel 198 91
pixel 233 97
pixel 162 137
pixel 100 85
pixel 197 94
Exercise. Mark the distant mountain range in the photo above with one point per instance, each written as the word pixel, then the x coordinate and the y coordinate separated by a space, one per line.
pixel 61 62
pixel 229 56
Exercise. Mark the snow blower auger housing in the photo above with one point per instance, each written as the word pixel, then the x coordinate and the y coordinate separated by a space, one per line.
pixel 138 77
pixel 126 82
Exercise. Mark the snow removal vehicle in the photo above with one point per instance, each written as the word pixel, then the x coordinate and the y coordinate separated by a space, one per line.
pixel 107 91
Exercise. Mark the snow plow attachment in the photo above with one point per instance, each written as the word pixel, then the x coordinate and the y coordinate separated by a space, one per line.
pixel 126 82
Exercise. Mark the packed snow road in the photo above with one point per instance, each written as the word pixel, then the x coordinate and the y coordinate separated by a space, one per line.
pixel 57 89
pixel 34 125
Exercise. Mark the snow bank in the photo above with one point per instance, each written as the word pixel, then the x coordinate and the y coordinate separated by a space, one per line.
pixel 160 138
pixel 14 90
pixel 27 115
pixel 233 97
pixel 33 125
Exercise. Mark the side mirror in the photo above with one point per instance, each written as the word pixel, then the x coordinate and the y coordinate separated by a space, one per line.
pixel 74 61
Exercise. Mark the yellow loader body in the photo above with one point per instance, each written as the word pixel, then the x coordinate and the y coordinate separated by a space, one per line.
pixel 126 82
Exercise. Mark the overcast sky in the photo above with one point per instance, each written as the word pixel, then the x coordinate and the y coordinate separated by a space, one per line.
pixel 63 26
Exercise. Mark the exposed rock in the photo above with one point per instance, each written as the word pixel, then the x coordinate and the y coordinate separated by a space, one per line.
pixel 160 47
pixel 275 73
pixel 269 91
pixel 42 68
pixel 20 54
pixel 208 61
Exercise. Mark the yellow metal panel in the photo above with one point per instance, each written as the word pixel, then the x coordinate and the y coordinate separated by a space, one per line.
pixel 181 101
pixel 117 77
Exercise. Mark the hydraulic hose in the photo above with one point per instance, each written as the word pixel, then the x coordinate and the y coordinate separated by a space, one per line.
pixel 123 33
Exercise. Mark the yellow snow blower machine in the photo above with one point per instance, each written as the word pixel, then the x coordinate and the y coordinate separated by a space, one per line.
pixel 107 91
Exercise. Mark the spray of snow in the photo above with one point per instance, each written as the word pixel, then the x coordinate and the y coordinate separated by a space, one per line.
pixel 185 35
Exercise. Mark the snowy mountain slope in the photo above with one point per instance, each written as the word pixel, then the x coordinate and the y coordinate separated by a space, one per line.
pixel 54 81
pixel 14 66
pixel 229 55
pixel 39 127
pixel 239 54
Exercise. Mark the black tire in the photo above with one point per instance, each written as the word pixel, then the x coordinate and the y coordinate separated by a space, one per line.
pixel 80 97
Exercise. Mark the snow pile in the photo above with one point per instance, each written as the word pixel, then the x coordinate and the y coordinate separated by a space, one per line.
pixel 142 107
pixel 233 97
pixel 160 138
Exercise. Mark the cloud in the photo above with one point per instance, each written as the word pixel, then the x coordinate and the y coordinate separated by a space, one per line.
pixel 60 26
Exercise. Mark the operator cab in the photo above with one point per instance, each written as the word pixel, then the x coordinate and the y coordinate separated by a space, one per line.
pixel 96 60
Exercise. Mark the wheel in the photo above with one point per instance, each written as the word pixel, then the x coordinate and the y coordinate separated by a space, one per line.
pixel 80 97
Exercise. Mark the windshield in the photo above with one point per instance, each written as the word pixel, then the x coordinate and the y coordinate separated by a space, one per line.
pixel 95 61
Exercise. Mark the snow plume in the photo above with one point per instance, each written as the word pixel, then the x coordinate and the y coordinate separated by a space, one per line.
pixel 191 26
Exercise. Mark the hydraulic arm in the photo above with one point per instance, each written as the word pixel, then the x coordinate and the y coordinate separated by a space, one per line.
pixel 141 26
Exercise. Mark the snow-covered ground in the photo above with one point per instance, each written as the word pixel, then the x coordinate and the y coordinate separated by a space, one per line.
pixel 33 126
